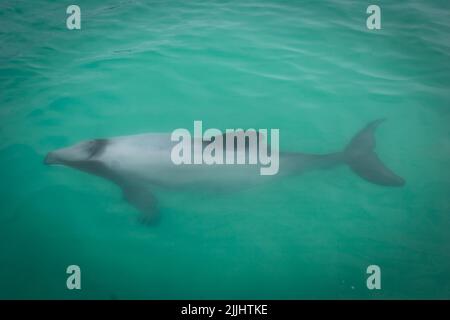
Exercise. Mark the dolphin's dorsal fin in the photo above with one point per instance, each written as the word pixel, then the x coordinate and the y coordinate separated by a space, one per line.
pixel 225 136
pixel 144 201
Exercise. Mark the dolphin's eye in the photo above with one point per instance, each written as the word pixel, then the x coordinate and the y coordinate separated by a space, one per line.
pixel 96 147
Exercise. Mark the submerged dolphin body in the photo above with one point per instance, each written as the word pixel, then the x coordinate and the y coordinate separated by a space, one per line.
pixel 140 163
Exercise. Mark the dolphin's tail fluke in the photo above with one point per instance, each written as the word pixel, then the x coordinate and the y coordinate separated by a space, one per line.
pixel 362 159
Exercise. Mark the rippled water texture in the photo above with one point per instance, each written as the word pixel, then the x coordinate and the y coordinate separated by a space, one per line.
pixel 310 68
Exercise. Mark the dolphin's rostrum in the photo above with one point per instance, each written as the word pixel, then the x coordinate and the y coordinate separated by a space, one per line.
pixel 140 163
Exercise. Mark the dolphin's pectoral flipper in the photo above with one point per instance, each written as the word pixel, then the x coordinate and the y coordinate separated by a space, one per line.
pixel 144 201
pixel 362 159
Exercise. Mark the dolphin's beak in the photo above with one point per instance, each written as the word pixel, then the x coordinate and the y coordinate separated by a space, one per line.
pixel 67 155
pixel 51 158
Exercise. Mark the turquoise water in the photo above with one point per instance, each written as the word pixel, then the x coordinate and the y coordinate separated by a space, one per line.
pixel 310 68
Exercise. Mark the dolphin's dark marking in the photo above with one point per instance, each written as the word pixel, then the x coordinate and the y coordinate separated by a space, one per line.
pixel 139 164
pixel 96 147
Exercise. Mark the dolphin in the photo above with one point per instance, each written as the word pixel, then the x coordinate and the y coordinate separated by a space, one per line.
pixel 139 164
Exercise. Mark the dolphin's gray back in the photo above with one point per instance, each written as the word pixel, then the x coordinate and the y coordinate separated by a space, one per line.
pixel 146 158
